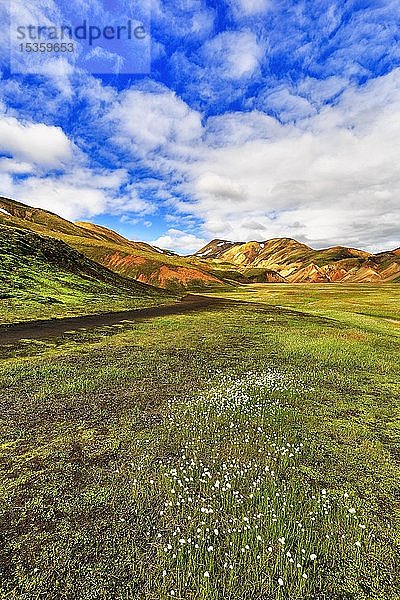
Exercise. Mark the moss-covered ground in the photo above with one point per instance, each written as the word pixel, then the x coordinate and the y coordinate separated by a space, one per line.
pixel 249 452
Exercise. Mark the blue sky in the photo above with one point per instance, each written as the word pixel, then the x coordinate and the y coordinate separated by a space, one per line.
pixel 256 119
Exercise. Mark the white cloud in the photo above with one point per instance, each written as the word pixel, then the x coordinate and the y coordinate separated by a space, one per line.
pixel 288 106
pixel 10 166
pixel 233 54
pixel 237 128
pixel 182 19
pixel 59 195
pixel 36 143
pixel 59 71
pixel 250 7
pixel 131 202
pixel 329 176
pixel 180 241
pixel 219 187
pixel 332 178
pixel 76 193
pixel 321 90
pixel 155 120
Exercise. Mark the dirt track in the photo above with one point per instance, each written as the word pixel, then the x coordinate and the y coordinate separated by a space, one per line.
pixel 56 327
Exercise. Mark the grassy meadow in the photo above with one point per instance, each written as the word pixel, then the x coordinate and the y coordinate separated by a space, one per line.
pixel 245 452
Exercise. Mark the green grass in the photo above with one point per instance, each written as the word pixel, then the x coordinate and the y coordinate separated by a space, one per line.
pixel 369 306
pixel 51 295
pixel 106 436
pixel 43 278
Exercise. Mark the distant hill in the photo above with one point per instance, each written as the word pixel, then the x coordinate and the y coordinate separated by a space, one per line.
pixel 295 262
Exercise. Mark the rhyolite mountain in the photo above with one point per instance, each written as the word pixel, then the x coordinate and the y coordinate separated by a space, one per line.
pixel 219 263
pixel 295 262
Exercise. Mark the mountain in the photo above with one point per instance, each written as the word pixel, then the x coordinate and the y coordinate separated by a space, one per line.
pixel 134 260
pixel 219 263
pixel 43 276
pixel 295 262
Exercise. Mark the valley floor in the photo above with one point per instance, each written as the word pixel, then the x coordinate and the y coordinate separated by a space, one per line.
pixel 246 451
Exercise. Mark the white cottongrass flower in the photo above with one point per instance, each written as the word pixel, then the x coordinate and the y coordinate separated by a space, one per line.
pixel 280 581
pixel 313 556
pixel 206 574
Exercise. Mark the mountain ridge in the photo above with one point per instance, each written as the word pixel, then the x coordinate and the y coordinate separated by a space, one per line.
pixel 218 264
pixel 296 262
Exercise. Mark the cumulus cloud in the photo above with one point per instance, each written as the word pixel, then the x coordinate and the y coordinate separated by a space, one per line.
pixel 233 54
pixel 154 120
pixel 44 168
pixel 37 143
pixel 328 177
pixel 250 7
pixel 130 201
pixel 287 105
pixel 279 125
pixel 331 179
pixel 78 194
pixel 319 91
pixel 178 240
pixel 219 187
pixel 11 166
pixel 237 128
pixel 192 19
pixel 59 195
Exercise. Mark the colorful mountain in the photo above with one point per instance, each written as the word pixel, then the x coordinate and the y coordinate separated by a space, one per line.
pixel 220 262
pixel 295 262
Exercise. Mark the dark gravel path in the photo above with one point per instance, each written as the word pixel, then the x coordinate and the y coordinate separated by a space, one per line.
pixel 56 327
